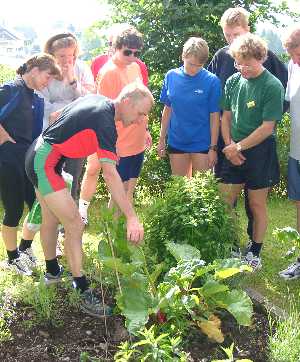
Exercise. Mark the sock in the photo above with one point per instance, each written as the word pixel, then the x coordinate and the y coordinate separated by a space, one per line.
pixel 81 283
pixel 52 266
pixel 25 244
pixel 255 248
pixel 83 207
pixel 12 255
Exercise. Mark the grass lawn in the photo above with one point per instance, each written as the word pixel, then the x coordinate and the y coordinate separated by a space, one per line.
pixel 281 213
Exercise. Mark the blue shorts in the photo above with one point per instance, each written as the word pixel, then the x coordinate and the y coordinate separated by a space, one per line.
pixel 130 166
pixel 294 179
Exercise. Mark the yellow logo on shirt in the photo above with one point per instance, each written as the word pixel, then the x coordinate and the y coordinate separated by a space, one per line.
pixel 251 104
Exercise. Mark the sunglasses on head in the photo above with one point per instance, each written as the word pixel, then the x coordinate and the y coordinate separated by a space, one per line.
pixel 128 52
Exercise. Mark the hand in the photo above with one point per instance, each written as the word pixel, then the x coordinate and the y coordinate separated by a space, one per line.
pixel 161 148
pixel 230 150
pixel 67 70
pixel 148 140
pixel 237 160
pixel 135 230
pixel 5 137
pixel 53 116
pixel 212 158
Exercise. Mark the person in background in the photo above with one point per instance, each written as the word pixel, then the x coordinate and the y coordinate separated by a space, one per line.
pixel 21 121
pixel 190 117
pixel 292 45
pixel 76 81
pixel 235 22
pixel 119 71
pixel 100 60
pixel 84 127
pixel 252 105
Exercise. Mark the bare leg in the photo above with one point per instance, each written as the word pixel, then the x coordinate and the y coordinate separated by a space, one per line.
pixel 181 164
pixel 64 209
pixel 90 178
pixel 258 206
pixel 199 162
pixel 230 192
pixel 26 233
pixel 9 236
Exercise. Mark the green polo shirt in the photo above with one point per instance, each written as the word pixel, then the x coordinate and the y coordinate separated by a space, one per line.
pixel 252 101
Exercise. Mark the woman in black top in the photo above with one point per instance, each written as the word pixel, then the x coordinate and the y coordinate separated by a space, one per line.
pixel 21 120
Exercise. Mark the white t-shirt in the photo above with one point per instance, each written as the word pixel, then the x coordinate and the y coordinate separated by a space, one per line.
pixel 58 94
pixel 293 96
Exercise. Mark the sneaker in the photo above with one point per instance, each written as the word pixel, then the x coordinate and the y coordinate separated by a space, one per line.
pixel 19 265
pixel 253 261
pixel 93 306
pixel 85 220
pixel 32 260
pixel 291 272
pixel 54 279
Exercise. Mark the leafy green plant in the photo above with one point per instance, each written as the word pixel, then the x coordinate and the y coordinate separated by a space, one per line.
pixel 229 353
pixel 152 346
pixel 191 211
pixel 6 73
pixel 43 299
pixel 288 235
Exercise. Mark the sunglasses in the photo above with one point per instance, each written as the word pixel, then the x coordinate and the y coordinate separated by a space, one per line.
pixel 128 52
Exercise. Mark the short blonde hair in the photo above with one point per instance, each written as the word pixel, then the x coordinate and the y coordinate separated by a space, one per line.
pixel 292 40
pixel 136 91
pixel 235 17
pixel 196 47
pixel 249 46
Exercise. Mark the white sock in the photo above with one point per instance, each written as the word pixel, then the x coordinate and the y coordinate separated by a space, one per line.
pixel 83 208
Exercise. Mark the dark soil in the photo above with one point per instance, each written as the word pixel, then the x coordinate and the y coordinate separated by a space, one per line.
pixel 81 335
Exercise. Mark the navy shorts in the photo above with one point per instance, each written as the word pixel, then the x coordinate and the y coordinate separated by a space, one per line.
pixel 260 169
pixel 130 166
pixel 294 179
pixel 173 150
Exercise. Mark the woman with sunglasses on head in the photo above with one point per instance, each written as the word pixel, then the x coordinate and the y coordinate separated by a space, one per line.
pixel 119 71
pixel 76 80
pixel 21 121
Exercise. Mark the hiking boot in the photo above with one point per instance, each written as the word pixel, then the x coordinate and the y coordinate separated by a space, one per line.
pixel 32 260
pixel 253 261
pixel 19 265
pixel 54 279
pixel 291 272
pixel 93 306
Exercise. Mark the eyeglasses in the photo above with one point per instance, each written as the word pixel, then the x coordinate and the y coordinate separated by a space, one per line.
pixel 128 52
pixel 242 67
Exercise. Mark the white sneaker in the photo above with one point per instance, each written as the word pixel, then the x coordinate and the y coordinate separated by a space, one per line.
pixel 32 260
pixel 253 261
pixel 20 265
pixel 291 272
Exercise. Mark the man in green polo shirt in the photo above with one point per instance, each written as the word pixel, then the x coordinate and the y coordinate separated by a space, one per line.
pixel 252 105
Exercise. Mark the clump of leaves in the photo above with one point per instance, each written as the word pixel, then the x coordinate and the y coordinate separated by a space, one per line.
pixel 191 212
pixel 229 354
pixel 288 235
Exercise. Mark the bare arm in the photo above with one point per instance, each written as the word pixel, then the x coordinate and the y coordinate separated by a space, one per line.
pixel 135 230
pixel 214 134
pixel 255 138
pixel 225 127
pixel 165 119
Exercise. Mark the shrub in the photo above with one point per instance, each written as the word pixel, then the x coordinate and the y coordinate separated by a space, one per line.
pixel 6 73
pixel 191 212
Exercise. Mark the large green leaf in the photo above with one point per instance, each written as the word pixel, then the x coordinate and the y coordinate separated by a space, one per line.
pixel 135 304
pixel 238 303
pixel 182 252
pixel 119 266
pixel 213 287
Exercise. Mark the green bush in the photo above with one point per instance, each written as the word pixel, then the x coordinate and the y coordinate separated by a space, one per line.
pixel 190 212
pixel 6 73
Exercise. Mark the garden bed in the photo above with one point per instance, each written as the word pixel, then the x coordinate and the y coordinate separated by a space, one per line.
pixel 82 338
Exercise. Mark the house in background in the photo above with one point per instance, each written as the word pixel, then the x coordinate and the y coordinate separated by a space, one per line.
pixel 12 43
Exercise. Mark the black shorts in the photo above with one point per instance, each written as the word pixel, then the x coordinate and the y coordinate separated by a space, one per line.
pixel 130 167
pixel 173 150
pixel 260 169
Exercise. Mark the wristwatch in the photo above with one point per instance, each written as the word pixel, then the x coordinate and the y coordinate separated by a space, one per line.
pixel 73 83
pixel 213 147
pixel 239 147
